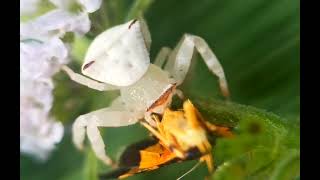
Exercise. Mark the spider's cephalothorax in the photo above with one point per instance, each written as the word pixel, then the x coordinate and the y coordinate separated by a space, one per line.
pixel 119 59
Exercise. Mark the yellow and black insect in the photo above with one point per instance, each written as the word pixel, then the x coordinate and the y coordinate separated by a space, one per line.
pixel 179 136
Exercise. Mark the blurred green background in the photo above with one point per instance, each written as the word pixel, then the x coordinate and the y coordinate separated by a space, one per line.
pixel 256 41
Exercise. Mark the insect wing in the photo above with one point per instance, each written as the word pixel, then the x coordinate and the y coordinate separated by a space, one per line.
pixel 140 157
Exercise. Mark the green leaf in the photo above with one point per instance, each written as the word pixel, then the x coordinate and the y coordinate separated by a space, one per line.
pixel 264 145
pixel 287 167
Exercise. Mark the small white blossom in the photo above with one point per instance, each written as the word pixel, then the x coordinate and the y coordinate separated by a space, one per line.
pixel 63 4
pixel 38 132
pixel 89 6
pixel 40 60
pixel 42 53
pixel 55 23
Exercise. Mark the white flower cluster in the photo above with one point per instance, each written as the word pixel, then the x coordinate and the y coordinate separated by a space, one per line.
pixel 42 52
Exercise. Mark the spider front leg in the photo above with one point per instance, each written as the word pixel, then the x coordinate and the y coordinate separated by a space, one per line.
pixel 180 59
pixel 87 81
pixel 113 116
pixel 145 32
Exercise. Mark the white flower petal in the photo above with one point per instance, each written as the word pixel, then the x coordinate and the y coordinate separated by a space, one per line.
pixel 28 7
pixel 55 23
pixel 38 132
pixel 63 4
pixel 35 142
pixel 36 94
pixel 42 60
pixel 90 5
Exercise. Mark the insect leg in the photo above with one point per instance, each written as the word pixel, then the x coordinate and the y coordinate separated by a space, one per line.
pixel 219 130
pixel 209 161
pixel 163 139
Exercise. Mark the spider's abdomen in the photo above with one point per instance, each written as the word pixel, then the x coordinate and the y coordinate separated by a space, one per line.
pixel 118 56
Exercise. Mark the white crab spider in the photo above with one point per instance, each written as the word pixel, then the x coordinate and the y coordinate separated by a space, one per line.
pixel 119 59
